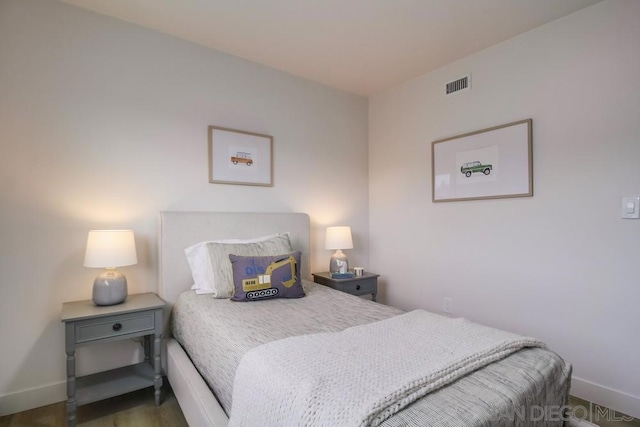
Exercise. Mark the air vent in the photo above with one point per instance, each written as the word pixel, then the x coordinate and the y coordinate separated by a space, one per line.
pixel 463 83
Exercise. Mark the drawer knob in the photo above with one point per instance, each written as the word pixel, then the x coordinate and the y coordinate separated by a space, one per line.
pixel 117 326
pixel 357 287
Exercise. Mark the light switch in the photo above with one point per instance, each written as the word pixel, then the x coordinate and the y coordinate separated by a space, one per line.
pixel 631 207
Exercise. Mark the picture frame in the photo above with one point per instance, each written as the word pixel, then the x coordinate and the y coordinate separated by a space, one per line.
pixel 491 163
pixel 240 157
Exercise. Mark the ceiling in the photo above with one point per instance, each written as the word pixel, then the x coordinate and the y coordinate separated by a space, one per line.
pixel 361 46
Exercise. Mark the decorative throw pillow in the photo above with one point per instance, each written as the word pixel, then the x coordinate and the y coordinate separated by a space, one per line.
pixel 264 277
pixel 210 265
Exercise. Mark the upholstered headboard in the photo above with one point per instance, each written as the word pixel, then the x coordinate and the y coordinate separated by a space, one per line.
pixel 179 230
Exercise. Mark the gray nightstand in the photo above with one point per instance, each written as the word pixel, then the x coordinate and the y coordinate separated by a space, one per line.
pixel 85 323
pixel 363 285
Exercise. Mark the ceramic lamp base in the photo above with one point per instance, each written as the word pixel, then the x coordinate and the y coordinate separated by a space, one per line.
pixel 339 263
pixel 110 288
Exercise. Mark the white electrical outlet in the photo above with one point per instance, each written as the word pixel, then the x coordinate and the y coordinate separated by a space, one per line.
pixel 447 305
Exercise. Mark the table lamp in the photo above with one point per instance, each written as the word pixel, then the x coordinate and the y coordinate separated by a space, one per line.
pixel 110 249
pixel 339 238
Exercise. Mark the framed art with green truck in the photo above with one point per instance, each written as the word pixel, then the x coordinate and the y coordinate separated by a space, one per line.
pixel 490 163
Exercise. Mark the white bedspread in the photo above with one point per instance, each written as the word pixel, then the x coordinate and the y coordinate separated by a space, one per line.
pixel 364 374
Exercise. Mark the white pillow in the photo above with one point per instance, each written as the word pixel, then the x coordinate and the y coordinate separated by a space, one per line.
pixel 210 265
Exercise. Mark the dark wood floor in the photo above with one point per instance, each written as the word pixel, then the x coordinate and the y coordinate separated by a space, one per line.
pixel 135 409
pixel 600 416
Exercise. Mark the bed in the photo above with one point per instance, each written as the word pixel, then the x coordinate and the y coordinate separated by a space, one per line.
pixel 532 378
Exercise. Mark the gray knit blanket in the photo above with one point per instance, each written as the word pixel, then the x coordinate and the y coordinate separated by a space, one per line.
pixel 362 375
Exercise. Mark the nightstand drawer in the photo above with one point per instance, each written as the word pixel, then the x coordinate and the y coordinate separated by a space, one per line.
pixel 140 323
pixel 358 287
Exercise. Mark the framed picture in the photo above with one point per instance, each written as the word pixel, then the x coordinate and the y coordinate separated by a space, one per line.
pixel 487 164
pixel 239 157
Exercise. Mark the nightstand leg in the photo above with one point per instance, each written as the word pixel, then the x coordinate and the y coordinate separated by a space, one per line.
pixel 71 388
pixel 147 348
pixel 374 297
pixel 157 379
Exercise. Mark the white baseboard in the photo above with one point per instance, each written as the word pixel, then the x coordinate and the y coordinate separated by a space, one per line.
pixel 33 398
pixel 605 396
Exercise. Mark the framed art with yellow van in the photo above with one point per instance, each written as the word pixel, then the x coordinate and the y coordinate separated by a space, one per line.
pixel 240 157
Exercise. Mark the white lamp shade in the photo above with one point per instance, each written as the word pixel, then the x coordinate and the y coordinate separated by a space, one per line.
pixel 338 238
pixel 110 248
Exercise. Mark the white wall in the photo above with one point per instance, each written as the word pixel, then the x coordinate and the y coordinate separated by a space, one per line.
pixel 102 125
pixel 561 266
